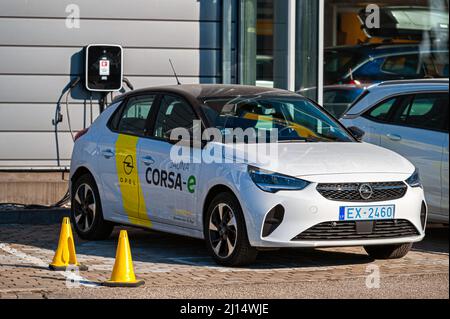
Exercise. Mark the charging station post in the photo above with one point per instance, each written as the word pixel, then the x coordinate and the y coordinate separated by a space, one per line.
pixel 104 67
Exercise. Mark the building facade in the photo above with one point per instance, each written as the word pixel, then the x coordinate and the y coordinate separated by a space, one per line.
pixel 258 42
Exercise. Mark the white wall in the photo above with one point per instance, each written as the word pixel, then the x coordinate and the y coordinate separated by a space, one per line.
pixel 39 56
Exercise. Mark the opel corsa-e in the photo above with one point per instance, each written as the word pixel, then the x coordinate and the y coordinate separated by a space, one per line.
pixel 320 186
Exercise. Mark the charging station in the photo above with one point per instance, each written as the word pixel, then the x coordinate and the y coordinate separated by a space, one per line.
pixel 104 67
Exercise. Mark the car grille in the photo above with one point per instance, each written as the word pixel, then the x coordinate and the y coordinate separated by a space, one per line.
pixel 345 230
pixel 349 192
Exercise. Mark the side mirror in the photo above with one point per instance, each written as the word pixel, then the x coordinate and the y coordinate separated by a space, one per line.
pixel 357 132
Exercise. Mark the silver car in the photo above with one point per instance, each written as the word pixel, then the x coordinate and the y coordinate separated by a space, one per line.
pixel 411 118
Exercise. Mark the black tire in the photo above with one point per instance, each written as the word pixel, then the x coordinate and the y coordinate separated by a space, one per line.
pixel 388 251
pixel 100 229
pixel 243 253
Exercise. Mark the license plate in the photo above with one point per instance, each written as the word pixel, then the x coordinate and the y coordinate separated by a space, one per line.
pixel 350 213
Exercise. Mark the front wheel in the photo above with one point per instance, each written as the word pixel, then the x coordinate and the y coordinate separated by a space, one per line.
pixel 388 251
pixel 226 234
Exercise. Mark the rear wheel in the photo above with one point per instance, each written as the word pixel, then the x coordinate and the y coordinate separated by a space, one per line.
pixel 86 210
pixel 226 234
pixel 388 251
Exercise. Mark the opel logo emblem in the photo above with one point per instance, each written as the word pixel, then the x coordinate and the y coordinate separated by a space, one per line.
pixel 128 164
pixel 366 191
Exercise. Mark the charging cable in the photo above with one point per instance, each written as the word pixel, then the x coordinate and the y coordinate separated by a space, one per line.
pixel 128 83
pixel 72 85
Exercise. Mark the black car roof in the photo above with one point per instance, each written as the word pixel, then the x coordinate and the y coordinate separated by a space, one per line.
pixel 199 91
pixel 382 48
pixel 375 46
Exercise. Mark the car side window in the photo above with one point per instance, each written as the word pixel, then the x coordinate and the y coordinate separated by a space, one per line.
pixel 115 119
pixel 174 112
pixel 406 65
pixel 133 118
pixel 382 111
pixel 426 111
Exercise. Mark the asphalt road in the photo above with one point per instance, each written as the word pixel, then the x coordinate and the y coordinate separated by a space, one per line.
pixel 177 267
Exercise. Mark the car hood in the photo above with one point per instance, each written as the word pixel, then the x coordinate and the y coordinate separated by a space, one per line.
pixel 315 159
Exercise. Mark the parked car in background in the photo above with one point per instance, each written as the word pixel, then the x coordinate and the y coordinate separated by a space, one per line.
pixel 337 98
pixel 373 63
pixel 410 118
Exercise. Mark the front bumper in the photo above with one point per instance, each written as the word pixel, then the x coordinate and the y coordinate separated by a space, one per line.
pixel 307 208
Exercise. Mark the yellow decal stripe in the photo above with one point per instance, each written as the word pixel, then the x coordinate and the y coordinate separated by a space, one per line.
pixel 128 175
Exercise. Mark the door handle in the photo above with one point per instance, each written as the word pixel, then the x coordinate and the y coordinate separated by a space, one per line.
pixel 148 160
pixel 108 154
pixel 394 137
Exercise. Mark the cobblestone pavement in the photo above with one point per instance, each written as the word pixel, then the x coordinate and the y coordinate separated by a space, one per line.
pixel 175 266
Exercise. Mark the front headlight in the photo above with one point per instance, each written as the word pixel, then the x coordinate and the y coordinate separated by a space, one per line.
pixel 273 182
pixel 414 179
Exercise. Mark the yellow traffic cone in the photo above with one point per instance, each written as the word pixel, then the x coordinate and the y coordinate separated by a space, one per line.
pixel 123 271
pixel 65 255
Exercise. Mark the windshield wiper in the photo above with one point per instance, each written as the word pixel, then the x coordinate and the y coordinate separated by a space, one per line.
pixel 300 140
pixel 292 141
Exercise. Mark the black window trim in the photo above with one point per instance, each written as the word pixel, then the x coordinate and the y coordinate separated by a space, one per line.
pixel 153 113
pixel 118 110
pixel 153 116
pixel 122 107
pixel 440 129
pixel 365 113
pixel 405 104
pixel 318 106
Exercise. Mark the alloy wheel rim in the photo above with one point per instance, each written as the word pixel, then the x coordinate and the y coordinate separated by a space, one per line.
pixel 223 230
pixel 84 207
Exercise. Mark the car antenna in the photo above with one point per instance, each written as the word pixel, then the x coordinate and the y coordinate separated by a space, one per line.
pixel 174 73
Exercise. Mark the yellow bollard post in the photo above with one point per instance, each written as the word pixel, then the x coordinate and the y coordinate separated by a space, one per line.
pixel 123 271
pixel 65 254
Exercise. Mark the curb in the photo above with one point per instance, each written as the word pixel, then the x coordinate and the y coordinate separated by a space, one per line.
pixel 34 216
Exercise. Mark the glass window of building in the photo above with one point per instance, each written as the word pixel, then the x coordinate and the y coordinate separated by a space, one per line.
pixel 385 40
pixel 263 43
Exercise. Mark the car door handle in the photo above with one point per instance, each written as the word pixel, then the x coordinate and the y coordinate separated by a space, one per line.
pixel 148 160
pixel 394 137
pixel 108 154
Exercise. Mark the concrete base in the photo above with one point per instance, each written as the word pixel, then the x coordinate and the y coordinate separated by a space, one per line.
pixel 40 188
pixel 114 284
pixel 80 267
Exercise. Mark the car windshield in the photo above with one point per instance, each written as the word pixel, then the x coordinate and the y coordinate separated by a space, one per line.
pixel 291 118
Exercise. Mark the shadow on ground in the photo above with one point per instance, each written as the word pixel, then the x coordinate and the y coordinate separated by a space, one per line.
pixel 436 240
pixel 154 247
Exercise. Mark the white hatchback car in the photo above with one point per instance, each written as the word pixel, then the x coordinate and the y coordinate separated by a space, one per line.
pixel 323 188
pixel 410 117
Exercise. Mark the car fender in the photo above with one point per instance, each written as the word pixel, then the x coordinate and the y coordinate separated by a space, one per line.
pixel 236 180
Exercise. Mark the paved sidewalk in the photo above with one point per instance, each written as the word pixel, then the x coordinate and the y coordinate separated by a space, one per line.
pixel 179 267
